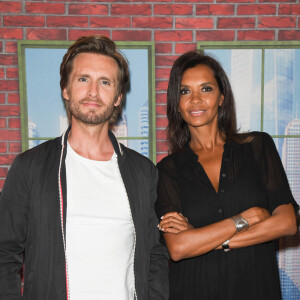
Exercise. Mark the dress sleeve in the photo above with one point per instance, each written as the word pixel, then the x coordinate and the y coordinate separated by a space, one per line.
pixel 168 191
pixel 272 172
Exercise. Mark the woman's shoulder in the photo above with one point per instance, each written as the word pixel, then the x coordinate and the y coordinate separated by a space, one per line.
pixel 252 137
pixel 173 160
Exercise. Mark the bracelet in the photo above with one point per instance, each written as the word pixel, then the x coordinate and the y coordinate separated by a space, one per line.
pixel 240 223
pixel 225 246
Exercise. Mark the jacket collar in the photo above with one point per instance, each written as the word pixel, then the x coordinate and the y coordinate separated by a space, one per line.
pixel 115 143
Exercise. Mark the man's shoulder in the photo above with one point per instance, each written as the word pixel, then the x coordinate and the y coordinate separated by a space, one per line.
pixel 136 159
pixel 41 150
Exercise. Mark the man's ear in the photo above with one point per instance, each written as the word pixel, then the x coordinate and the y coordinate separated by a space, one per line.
pixel 65 94
pixel 118 100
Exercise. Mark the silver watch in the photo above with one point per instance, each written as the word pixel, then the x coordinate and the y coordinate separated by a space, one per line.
pixel 240 223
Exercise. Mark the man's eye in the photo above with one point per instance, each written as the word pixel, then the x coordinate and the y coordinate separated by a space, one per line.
pixel 105 82
pixel 206 89
pixel 184 91
pixel 82 79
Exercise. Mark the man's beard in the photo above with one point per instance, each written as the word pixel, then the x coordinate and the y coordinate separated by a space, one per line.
pixel 91 117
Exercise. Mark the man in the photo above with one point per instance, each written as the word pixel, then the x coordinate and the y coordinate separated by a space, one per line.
pixel 81 206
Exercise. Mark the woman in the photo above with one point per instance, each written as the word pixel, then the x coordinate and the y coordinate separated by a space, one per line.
pixel 219 191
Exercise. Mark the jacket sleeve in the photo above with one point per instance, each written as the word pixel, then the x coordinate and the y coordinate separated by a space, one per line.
pixel 13 228
pixel 159 257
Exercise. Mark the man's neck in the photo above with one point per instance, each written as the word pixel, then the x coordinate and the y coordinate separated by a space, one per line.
pixel 91 141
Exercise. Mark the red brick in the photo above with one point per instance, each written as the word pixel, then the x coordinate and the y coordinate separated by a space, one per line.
pixel 13 98
pixel 160 156
pixel 46 34
pixel 7 159
pixel 12 73
pixel 45 8
pixel 215 35
pixel 2 122
pixel 130 9
pixel 110 22
pixel 152 22
pixel 161 98
pixel 164 60
pixel 10 135
pixel 10 7
pixel 256 35
pixel 152 1
pixel 261 9
pixel 3 171
pixel 2 73
pixel 278 1
pixel 1 46
pixel 162 73
pixel 277 22
pixel 163 48
pixel 24 21
pixel 289 9
pixel 15 147
pixel 174 9
pixel 11 33
pixel 1 184
pixel 214 9
pixel 88 9
pixel 161 110
pixel 236 23
pixel 236 1
pixel 75 34
pixel 8 59
pixel 161 134
pixel 181 47
pixel 162 85
pixel 131 35
pixel 289 35
pixel 196 1
pixel 9 85
pixel 11 47
pixel 67 21
pixel 2 98
pixel 161 122
pixel 162 146
pixel 3 148
pixel 14 123
pixel 198 23
pixel 9 110
pixel 174 35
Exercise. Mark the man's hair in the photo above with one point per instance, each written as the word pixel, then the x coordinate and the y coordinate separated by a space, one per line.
pixel 97 44
pixel 178 131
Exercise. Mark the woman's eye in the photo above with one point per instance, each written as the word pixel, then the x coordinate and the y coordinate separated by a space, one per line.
pixel 184 91
pixel 206 89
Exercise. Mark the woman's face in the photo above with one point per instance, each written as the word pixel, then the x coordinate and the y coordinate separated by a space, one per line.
pixel 200 97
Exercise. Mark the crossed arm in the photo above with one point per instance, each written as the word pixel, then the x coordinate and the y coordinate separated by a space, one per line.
pixel 185 241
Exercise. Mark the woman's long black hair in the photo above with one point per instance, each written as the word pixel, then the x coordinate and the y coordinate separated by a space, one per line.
pixel 177 130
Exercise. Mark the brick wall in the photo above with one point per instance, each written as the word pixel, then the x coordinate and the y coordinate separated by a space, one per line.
pixel 175 26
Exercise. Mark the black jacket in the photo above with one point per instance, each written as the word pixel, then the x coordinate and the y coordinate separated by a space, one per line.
pixel 33 219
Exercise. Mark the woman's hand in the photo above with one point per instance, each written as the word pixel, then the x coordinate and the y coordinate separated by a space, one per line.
pixel 255 215
pixel 174 222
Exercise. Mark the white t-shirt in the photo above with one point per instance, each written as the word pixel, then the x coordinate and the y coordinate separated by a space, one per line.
pixel 100 235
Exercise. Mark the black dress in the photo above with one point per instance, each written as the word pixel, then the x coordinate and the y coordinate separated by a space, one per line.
pixel 251 175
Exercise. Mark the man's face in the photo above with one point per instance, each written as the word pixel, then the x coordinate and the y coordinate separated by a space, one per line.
pixel 92 88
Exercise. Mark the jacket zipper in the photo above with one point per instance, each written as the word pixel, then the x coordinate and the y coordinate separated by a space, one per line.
pixel 61 204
